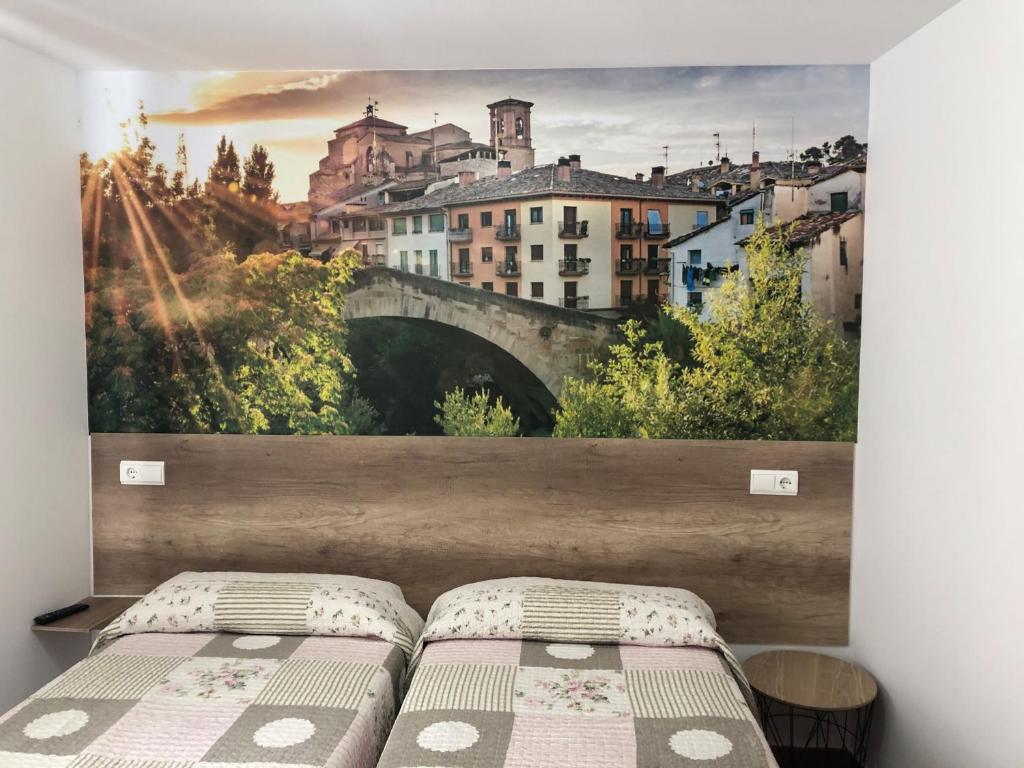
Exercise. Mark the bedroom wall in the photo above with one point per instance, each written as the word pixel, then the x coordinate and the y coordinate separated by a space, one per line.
pixel 937 574
pixel 44 470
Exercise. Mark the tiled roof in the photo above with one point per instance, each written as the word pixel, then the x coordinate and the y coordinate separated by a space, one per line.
pixel 805 229
pixel 693 233
pixel 371 122
pixel 542 181
pixel 778 170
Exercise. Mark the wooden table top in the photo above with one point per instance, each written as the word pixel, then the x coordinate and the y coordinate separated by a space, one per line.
pixel 102 611
pixel 810 680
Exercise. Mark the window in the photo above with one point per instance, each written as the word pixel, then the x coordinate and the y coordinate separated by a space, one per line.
pixel 336 226
pixel 486 220
pixel 537 252
pixel 419 262
pixel 398 226
pixel 537 215
pixel 463 221
pixel 403 260
pixel 702 219
pixel 625 216
pixel 511 252
pixel 844 261
pixel 433 264
pixel 654 225
pixel 486 255
pixel 840 202
pixel 436 222
pixel 747 216
pixel 536 290
pixel 359 225
pixel 694 299
pixel 464 261
pixel 695 257
pixel 856 300
pixel 510 218
pixel 652 253
pixel 417 224
pixel 376 224
pixel 626 289
pixel 511 289
pixel 520 128
pixel 626 252
pixel 570 252
pixel 487 286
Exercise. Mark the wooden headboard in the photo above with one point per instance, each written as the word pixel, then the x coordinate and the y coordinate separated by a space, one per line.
pixel 430 513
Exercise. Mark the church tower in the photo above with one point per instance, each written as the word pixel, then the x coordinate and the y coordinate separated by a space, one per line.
pixel 510 132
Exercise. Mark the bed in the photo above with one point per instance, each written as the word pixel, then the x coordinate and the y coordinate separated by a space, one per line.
pixel 539 673
pixel 223 670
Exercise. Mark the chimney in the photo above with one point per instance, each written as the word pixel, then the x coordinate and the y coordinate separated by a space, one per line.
pixel 563 170
pixel 695 182
pixel 726 165
pixel 574 162
pixel 658 176
pixel 639 177
pixel 466 178
pixel 504 169
pixel 755 170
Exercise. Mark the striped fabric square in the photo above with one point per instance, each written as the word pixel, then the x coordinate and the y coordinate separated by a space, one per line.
pixel 647 657
pixel 100 761
pixel 477 687
pixel 110 676
pixel 570 613
pixel 677 693
pixel 263 607
pixel 319 683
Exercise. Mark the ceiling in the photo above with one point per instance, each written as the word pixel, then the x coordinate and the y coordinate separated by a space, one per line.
pixel 449 34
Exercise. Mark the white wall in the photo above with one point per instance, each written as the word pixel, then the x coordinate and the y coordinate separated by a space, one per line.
pixel 938 545
pixel 44 451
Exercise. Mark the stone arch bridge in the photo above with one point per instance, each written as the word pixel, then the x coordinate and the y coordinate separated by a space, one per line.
pixel 550 342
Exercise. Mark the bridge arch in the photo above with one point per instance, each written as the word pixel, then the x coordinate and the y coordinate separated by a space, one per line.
pixel 550 342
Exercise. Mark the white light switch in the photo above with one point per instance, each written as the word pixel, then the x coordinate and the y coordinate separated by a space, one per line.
pixel 774 482
pixel 142 473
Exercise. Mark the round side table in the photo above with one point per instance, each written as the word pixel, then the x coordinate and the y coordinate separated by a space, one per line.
pixel 815 709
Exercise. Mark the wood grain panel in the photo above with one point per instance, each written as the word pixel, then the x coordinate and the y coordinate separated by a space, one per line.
pixel 432 513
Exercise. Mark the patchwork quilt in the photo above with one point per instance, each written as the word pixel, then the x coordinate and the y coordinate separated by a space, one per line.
pixel 228 671
pixel 532 673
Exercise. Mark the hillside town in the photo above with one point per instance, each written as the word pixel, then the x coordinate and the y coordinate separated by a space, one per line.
pixel 437 203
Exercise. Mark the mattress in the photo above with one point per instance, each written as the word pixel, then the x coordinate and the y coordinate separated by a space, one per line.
pixel 293 684
pixel 529 673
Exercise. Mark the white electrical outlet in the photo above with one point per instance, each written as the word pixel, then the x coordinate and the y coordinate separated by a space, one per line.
pixel 774 482
pixel 142 473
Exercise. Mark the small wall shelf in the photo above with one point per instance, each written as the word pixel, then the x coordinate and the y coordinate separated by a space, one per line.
pixel 102 611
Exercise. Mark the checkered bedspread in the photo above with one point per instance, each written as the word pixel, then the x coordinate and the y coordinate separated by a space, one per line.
pixel 530 673
pixel 228 671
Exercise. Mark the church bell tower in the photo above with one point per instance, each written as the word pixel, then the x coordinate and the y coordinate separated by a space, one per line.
pixel 510 132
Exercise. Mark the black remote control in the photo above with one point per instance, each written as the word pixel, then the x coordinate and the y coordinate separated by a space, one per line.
pixel 60 613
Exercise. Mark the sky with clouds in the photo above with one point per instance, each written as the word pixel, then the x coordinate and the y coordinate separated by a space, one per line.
pixel 617 119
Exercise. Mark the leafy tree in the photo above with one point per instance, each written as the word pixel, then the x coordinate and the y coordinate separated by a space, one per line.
pixel 846 149
pixel 638 392
pixel 463 415
pixel 259 175
pixel 767 366
pixel 813 155
pixel 179 181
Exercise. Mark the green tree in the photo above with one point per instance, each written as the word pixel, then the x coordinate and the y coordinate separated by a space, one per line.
pixel 462 415
pixel 259 175
pixel 179 181
pixel 847 148
pixel 813 154
pixel 224 169
pixel 638 392
pixel 767 366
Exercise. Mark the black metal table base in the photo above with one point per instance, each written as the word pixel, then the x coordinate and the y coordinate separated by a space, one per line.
pixel 810 738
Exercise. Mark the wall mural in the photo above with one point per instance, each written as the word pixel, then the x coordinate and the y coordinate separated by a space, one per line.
pixel 645 253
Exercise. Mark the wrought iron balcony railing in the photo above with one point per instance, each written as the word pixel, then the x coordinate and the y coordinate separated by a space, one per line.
pixel 462 269
pixel 506 232
pixel 574 302
pixel 628 230
pixel 460 235
pixel 573 267
pixel 508 268
pixel 627 267
pixel 573 230
pixel 656 232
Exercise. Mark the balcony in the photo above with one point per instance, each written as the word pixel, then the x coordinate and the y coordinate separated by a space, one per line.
pixel 460 235
pixel 462 269
pixel 506 232
pixel 656 266
pixel 660 232
pixel 628 230
pixel 573 230
pixel 508 268
pixel 627 267
pixel 573 267
pixel 574 302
